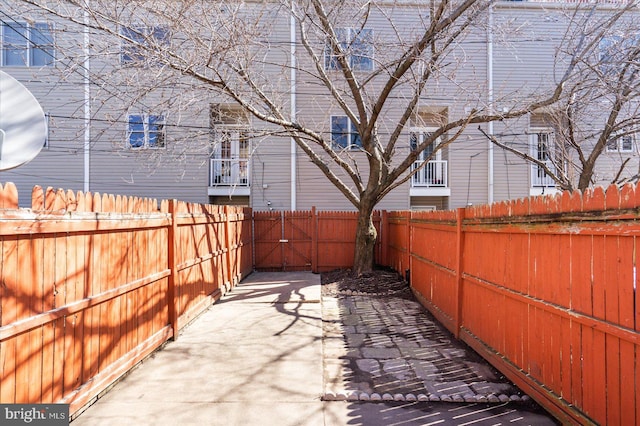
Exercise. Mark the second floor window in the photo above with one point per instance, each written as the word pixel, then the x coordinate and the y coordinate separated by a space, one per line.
pixel 146 131
pixel 344 133
pixel 141 36
pixel 356 45
pixel 620 144
pixel 26 45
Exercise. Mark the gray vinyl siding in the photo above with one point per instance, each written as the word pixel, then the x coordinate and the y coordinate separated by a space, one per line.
pixel 512 174
pixel 271 175
pixel 524 46
pixel 523 63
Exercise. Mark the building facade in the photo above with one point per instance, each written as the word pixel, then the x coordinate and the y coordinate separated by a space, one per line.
pixel 180 139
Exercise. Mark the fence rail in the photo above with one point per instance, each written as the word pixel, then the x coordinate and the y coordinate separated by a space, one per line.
pixel 92 284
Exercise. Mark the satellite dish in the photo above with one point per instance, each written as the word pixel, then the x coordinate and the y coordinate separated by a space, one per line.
pixel 23 127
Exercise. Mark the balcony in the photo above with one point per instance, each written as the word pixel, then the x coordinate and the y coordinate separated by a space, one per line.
pixel 431 179
pixel 229 176
pixel 541 182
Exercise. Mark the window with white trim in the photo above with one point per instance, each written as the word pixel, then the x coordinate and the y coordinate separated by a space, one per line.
pixel 542 143
pixel 344 134
pixel 230 157
pixel 356 45
pixel 623 143
pixel 141 36
pixel 417 136
pixel 146 131
pixel 26 44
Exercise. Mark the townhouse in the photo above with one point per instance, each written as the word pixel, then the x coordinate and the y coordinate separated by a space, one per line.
pixel 177 138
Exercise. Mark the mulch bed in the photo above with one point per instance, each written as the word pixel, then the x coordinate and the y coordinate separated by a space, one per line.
pixel 380 282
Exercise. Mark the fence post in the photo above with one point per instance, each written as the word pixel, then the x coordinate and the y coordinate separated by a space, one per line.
pixel 314 240
pixel 384 240
pixel 227 231
pixel 408 242
pixel 459 249
pixel 172 253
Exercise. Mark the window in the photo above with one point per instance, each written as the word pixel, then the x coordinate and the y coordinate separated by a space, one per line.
pixel 27 45
pixel 542 149
pixel 434 172
pixel 620 144
pixel 141 36
pixel 616 50
pixel 357 45
pixel 230 157
pixel 344 133
pixel 146 131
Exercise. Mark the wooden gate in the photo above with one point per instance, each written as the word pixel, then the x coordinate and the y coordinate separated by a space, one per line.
pixel 307 240
pixel 283 240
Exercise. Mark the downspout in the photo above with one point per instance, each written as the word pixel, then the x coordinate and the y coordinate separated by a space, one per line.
pixel 87 108
pixel 293 109
pixel 490 170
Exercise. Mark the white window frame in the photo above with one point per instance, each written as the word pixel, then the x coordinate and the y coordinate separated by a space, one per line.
pixel 32 35
pixel 351 39
pixel 421 132
pixel 147 131
pixel 536 179
pixel 616 144
pixel 232 167
pixel 434 172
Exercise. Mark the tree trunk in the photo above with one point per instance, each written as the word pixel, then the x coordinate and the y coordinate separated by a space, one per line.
pixel 366 236
pixel 585 176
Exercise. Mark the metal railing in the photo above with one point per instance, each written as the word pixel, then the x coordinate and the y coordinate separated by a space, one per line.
pixel 539 178
pixel 433 174
pixel 229 172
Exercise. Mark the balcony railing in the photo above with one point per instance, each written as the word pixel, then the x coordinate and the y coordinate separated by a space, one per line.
pixel 433 174
pixel 539 178
pixel 229 172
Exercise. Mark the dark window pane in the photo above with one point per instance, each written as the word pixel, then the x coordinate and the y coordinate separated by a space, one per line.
pixel 42 45
pixel 15 51
pixel 413 141
pixel 362 50
pixel 339 131
pixel 156 130
pixel 136 139
pixel 136 131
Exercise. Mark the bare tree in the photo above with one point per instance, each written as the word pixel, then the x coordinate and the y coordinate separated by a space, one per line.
pixel 599 112
pixel 235 50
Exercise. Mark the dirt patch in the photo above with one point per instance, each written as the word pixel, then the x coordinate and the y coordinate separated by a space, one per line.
pixel 380 282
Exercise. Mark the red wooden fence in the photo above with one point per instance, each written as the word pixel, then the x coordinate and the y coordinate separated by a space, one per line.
pixel 306 240
pixel 544 288
pixel 93 284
